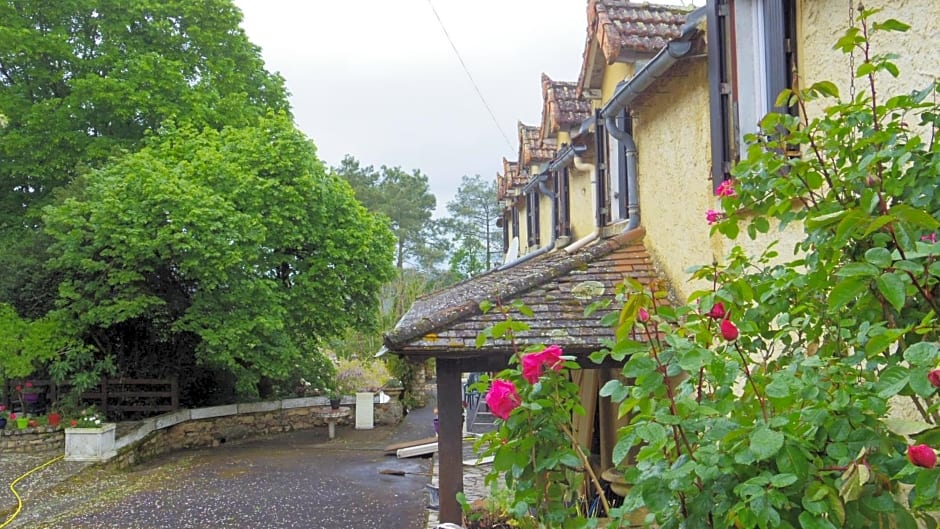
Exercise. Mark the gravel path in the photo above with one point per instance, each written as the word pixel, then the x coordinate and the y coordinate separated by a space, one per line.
pixel 301 479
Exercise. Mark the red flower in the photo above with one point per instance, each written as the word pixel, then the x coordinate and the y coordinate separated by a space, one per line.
pixel 729 331
pixel 718 311
pixel 726 189
pixel 922 456
pixel 73 423
pixel 643 315
pixel 29 384
pixel 12 416
pixel 934 378
pixel 18 388
pixel 713 216
pixel 533 364
pixel 502 398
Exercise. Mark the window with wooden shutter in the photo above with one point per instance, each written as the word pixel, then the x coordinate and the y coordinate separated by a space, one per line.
pixel 751 59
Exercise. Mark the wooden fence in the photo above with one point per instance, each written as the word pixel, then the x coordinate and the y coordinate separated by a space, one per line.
pixel 114 397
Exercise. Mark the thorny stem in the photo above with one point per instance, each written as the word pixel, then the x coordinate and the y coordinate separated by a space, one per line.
pixel 818 153
pixel 678 431
pixel 747 373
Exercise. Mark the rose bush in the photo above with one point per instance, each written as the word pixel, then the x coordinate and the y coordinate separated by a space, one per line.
pixel 777 397
pixel 783 416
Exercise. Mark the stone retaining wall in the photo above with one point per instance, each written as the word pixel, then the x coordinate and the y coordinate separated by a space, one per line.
pixel 200 427
pixel 32 440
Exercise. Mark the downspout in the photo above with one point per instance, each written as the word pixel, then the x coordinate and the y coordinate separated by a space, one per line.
pixel 551 245
pixel 633 201
pixel 628 90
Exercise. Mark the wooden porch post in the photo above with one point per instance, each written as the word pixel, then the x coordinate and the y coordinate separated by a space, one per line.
pixel 450 439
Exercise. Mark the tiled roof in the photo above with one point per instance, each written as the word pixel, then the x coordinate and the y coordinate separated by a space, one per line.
pixel 557 287
pixel 509 179
pixel 619 28
pixel 561 106
pixel 531 147
pixel 640 27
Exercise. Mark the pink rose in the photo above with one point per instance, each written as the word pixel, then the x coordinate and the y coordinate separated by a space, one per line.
pixel 934 378
pixel 712 216
pixel 533 364
pixel 643 315
pixel 729 331
pixel 718 311
pixel 726 189
pixel 922 456
pixel 502 398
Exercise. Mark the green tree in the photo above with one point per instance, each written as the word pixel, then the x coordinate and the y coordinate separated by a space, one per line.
pixel 474 211
pixel 405 198
pixel 232 248
pixel 85 80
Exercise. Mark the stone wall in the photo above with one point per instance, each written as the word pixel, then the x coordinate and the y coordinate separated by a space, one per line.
pixel 32 440
pixel 200 428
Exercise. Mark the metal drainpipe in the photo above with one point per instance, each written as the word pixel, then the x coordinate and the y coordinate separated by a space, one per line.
pixel 551 245
pixel 580 165
pixel 633 200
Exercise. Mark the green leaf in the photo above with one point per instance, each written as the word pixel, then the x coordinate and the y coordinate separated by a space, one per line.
pixel 891 25
pixel 765 443
pixel 918 217
pixel 892 288
pixel 879 257
pixel 846 291
pixel 859 270
pixel 826 88
pixel 906 427
pixel 783 480
pixel 891 381
pixel 922 354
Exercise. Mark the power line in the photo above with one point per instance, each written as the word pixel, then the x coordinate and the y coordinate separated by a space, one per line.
pixel 467 71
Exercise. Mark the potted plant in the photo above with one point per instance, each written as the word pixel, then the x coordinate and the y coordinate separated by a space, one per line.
pixel 89 438
pixel 335 397
pixel 54 418
pixel 3 416
pixel 20 420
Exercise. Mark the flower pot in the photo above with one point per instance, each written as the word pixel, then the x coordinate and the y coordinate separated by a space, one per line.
pixel 31 398
pixel 334 403
pixel 3 422
pixel 90 444
pixel 54 419
pixel 22 423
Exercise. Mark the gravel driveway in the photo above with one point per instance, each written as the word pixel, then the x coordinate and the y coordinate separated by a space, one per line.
pixel 294 480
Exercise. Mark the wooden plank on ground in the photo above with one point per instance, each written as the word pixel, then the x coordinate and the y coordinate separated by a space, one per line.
pixel 408 444
pixel 419 450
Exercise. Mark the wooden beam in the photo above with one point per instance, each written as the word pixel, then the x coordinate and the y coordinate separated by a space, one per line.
pixel 450 440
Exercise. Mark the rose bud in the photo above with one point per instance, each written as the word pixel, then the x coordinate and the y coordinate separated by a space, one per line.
pixel 922 456
pixel 729 331
pixel 934 378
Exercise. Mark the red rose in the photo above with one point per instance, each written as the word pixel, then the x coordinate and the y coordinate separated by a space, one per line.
pixel 502 398
pixel 718 311
pixel 29 384
pixel 729 331
pixel 73 423
pixel 922 456
pixel 934 378
pixel 533 364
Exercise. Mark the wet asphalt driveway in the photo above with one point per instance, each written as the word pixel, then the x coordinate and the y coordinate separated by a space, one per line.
pixel 295 480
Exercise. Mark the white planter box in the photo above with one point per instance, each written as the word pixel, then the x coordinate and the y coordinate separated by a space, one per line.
pixel 90 444
pixel 365 415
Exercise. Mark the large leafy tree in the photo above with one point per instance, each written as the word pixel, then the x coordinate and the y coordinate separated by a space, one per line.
pixel 232 248
pixel 82 81
pixel 405 198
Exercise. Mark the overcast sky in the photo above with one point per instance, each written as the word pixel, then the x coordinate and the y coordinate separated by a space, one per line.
pixel 377 79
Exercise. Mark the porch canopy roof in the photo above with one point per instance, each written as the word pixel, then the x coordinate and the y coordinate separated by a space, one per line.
pixel 557 286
